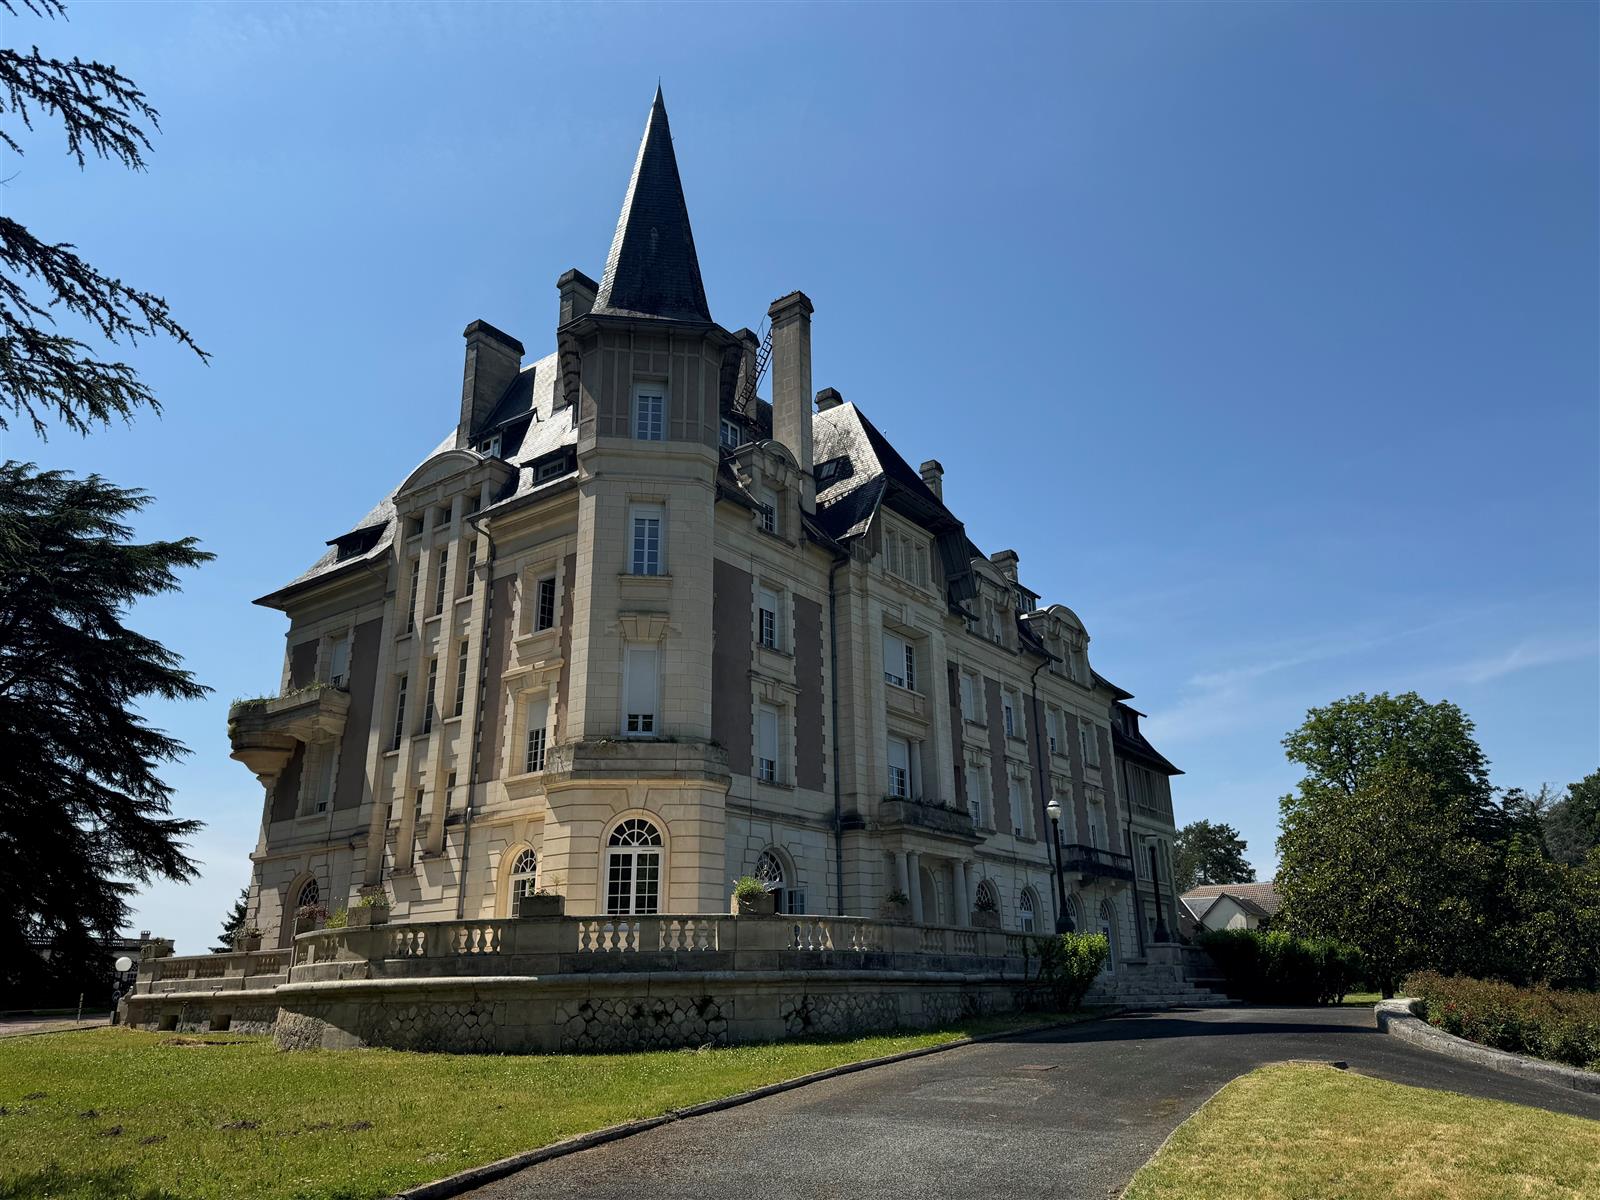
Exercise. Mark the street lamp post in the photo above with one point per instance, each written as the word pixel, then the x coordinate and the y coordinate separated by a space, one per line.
pixel 1063 915
pixel 1162 933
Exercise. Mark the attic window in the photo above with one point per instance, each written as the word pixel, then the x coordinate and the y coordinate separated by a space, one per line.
pixel 414 526
pixel 730 436
pixel 490 446
pixel 832 471
pixel 551 468
pixel 358 542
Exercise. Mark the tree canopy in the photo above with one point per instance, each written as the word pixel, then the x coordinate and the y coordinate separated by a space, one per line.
pixel 83 813
pixel 1209 852
pixel 45 372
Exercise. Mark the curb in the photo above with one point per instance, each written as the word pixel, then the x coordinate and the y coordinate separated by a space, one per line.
pixel 1395 1017
pixel 461 1181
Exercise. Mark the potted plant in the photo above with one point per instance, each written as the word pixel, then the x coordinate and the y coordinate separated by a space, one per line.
pixel 896 906
pixel 543 901
pixel 752 898
pixel 247 940
pixel 371 909
pixel 308 917
pixel 985 913
pixel 338 919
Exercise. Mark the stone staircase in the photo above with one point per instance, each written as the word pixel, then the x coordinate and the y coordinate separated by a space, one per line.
pixel 1170 976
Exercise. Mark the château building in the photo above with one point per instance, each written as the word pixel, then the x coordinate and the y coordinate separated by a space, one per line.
pixel 632 630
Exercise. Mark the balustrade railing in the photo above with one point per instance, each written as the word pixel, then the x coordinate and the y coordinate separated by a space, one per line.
pixel 218 968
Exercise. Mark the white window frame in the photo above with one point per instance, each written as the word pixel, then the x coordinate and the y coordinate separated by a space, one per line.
pixel 649 412
pixel 640 559
pixel 339 659
pixel 536 740
pixel 769 619
pixel 897 782
pixel 729 435
pixel 626 856
pixel 767 510
pixel 523 877
pixel 463 671
pixel 899 661
pixel 544 585
pixel 641 723
pixel 769 744
pixel 441 579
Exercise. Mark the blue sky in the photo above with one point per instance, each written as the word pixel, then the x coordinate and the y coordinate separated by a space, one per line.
pixel 1266 334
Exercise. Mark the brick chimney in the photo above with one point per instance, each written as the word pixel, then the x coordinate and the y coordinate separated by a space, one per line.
pixel 493 360
pixel 828 398
pixel 932 473
pixel 791 385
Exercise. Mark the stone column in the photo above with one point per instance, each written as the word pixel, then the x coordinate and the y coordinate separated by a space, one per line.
pixel 914 872
pixel 963 912
pixel 901 879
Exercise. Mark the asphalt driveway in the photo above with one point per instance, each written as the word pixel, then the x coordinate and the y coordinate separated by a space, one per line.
pixel 1070 1113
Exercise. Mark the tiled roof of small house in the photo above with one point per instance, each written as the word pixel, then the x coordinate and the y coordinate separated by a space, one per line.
pixel 1261 896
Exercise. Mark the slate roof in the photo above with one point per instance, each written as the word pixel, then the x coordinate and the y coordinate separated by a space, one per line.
pixel 652 270
pixel 1136 745
pixel 846 508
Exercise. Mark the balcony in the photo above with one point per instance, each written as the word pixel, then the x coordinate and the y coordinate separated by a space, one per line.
pixel 930 815
pixel 265 731
pixel 1091 860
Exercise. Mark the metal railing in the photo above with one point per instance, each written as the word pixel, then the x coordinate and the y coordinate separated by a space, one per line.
pixel 1092 860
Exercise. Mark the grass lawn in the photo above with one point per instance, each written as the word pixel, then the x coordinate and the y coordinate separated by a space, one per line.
pixel 1361 999
pixel 1299 1130
pixel 118 1114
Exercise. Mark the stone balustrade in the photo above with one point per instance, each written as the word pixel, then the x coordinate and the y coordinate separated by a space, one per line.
pixel 252 971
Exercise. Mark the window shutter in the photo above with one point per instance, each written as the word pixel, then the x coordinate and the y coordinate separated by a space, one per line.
pixel 640 689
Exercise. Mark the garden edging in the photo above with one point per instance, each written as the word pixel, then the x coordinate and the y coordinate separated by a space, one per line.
pixel 472 1177
pixel 1397 1018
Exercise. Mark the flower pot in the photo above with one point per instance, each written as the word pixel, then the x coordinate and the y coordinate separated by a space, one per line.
pixel 541 904
pixel 364 916
pixel 985 920
pixel 763 905
pixel 897 910
pixel 246 943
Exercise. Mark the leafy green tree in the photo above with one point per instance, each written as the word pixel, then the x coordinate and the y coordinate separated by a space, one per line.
pixel 1209 852
pixel 1572 823
pixel 83 813
pixel 234 923
pixel 1392 840
pixel 1546 919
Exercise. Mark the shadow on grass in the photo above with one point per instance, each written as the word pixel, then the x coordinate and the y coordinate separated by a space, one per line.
pixel 54 1183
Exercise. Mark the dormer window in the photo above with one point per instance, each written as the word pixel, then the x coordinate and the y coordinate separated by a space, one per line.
pixel 830 472
pixel 490 446
pixel 767 510
pixel 906 557
pixel 729 435
pixel 649 412
pixel 551 469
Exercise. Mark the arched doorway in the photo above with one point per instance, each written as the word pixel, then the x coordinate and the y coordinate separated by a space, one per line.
pixel 1108 926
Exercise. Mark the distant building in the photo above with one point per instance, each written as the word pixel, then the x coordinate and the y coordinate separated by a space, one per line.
pixel 630 631
pixel 1232 905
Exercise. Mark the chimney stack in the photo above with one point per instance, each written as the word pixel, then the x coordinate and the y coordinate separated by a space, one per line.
pixel 932 473
pixel 828 398
pixel 577 295
pixel 1006 561
pixel 791 384
pixel 493 360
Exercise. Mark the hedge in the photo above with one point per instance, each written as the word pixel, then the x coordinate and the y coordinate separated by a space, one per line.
pixel 1068 964
pixel 1275 968
pixel 1542 1021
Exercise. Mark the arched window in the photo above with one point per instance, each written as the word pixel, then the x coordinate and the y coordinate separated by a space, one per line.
pixel 524 875
pixel 787 898
pixel 987 899
pixel 1108 926
pixel 1027 905
pixel 633 869
pixel 310 895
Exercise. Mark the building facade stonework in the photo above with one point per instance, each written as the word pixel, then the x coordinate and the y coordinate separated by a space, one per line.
pixel 633 630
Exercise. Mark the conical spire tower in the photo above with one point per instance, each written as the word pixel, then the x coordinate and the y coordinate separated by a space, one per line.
pixel 652 270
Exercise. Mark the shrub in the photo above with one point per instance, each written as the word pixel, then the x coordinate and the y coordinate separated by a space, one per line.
pixel 1277 968
pixel 1069 963
pixel 373 900
pixel 338 920
pixel 748 887
pixel 1542 1021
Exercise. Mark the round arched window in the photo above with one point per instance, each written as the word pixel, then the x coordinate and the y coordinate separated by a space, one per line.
pixel 1027 905
pixel 769 869
pixel 524 875
pixel 633 869
pixel 310 895
pixel 786 894
pixel 988 898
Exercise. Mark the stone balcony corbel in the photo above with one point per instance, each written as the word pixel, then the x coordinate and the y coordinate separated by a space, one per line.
pixel 265 732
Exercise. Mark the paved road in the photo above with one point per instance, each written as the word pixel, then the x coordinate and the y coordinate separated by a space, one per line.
pixel 15 1026
pixel 974 1121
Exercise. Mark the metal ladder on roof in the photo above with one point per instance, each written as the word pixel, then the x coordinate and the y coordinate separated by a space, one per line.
pixel 744 403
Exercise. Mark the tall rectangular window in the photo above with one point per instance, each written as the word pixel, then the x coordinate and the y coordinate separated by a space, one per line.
pixel 1009 713
pixel 414 598
pixel 640 665
pixel 767 617
pixel 975 776
pixel 461 679
pixel 1091 744
pixel 767 743
pixel 1019 808
pixel 544 605
pixel 649 412
pixel 538 722
pixel 768 506
pixel 339 661
pixel 399 713
pixel 433 687
pixel 646 553
pixel 899 662
pixel 450 790
pixel 439 582
pixel 729 435
pixel 899 768
pixel 472 568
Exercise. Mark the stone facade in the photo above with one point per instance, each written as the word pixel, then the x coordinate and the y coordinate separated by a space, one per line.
pixel 632 631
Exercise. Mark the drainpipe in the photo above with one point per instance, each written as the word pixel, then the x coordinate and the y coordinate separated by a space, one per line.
pixel 477 732
pixel 1133 860
pixel 1042 749
pixel 833 679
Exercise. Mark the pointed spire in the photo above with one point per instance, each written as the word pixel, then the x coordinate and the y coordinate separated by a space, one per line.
pixel 652 269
